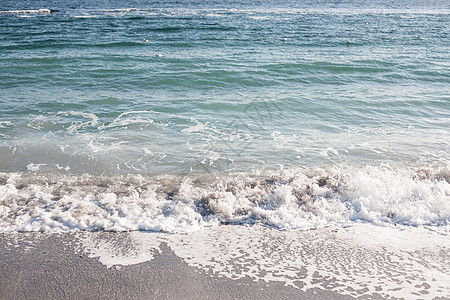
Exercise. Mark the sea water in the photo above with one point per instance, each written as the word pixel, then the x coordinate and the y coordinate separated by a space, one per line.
pixel 176 115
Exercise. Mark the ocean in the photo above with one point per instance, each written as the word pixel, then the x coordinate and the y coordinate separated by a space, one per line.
pixel 175 116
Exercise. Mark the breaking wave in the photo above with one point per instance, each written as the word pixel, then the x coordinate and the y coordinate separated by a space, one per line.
pixel 287 199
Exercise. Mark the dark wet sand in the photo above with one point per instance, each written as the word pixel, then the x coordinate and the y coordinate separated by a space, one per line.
pixel 38 266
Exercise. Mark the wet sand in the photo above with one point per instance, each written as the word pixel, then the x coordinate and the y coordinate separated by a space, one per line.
pixel 227 263
pixel 37 266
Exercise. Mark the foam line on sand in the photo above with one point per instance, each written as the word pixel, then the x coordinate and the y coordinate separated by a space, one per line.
pixel 229 262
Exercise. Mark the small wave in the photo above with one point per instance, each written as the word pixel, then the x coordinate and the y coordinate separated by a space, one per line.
pixel 27 11
pixel 122 9
pixel 133 118
pixel 93 120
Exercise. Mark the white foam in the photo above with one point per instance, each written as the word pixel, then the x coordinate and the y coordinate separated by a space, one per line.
pixel 34 167
pixel 359 261
pixel 289 199
pixel 66 168
pixel 86 16
pixel 196 128
pixel 113 253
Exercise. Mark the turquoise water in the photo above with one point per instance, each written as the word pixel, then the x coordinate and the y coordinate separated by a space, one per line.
pixel 217 89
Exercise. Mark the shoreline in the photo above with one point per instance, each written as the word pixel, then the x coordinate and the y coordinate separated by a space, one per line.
pixel 52 269
pixel 226 262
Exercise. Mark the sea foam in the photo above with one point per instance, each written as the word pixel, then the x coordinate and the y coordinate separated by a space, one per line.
pixel 287 199
pixel 359 261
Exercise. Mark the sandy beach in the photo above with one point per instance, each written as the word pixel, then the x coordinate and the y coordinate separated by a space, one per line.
pixel 50 269
pixel 227 262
